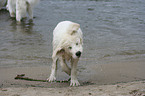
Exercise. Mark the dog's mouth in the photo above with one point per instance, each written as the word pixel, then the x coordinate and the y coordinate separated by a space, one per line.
pixel 78 56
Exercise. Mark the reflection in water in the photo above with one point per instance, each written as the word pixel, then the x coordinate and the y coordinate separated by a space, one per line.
pixel 23 46
pixel 25 26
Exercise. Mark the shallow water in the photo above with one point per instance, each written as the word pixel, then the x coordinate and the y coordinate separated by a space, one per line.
pixel 114 30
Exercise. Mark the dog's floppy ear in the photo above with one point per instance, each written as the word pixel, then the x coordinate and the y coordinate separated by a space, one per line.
pixel 58 51
pixel 73 28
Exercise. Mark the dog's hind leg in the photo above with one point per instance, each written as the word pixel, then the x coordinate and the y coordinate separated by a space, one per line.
pixel 64 66
pixel 52 76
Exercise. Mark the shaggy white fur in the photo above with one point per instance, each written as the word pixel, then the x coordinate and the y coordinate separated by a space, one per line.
pixel 20 8
pixel 67 46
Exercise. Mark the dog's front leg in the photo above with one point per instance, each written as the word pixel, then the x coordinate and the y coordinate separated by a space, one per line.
pixel 64 66
pixel 52 76
pixel 74 80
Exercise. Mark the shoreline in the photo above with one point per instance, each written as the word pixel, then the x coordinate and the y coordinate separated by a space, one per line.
pixel 100 74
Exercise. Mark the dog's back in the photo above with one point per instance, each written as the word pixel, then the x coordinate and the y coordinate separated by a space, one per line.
pixel 61 28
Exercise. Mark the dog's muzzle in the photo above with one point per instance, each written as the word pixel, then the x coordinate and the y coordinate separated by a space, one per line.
pixel 78 54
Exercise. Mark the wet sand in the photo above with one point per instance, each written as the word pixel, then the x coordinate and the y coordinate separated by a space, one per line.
pixel 118 79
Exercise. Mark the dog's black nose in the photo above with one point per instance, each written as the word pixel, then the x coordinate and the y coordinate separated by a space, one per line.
pixel 78 54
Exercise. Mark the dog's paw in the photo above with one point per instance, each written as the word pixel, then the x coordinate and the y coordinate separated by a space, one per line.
pixel 74 83
pixel 51 78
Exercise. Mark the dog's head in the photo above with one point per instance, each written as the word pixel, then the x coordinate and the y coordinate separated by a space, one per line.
pixel 72 43
pixel 72 47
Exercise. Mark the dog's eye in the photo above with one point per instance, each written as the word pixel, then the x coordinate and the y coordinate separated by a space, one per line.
pixel 77 44
pixel 69 47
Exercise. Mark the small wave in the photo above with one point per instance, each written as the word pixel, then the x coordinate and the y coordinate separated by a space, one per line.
pixel 131 52
pixel 125 52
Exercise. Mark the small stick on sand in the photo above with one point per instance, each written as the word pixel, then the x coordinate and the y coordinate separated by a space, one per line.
pixel 22 77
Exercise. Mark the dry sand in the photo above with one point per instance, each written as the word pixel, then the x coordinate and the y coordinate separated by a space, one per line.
pixel 122 89
pixel 118 79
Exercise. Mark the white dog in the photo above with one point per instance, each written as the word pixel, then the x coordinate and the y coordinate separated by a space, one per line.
pixel 67 46
pixel 21 7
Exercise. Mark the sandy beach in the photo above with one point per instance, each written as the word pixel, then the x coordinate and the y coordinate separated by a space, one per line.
pixel 118 79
